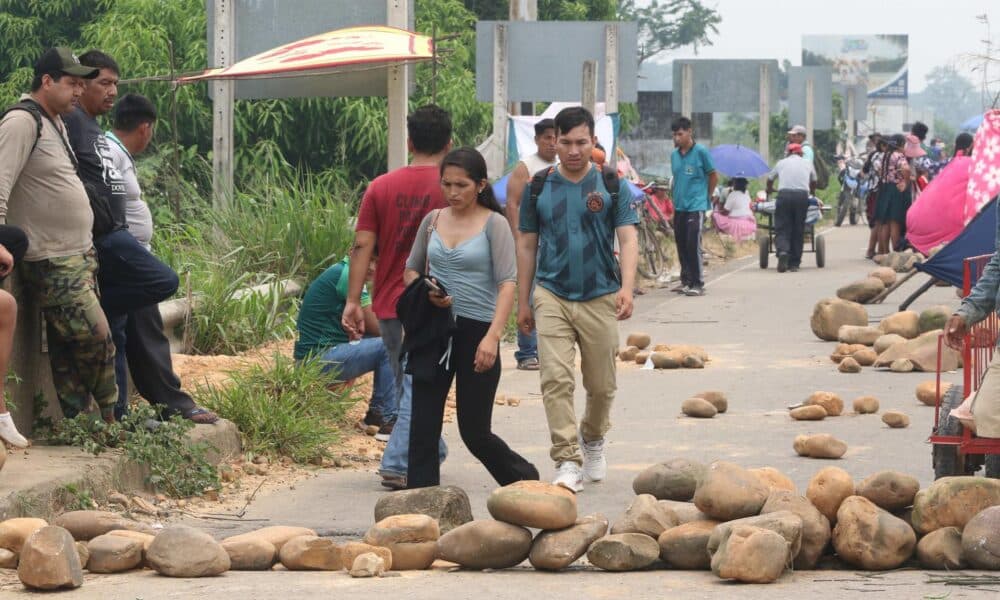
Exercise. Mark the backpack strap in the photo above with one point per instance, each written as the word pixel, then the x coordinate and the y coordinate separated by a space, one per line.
pixel 31 107
pixel 538 183
pixel 611 182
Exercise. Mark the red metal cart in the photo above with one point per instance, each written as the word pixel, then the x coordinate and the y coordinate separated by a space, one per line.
pixel 956 450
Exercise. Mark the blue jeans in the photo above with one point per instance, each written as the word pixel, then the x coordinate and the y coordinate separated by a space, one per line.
pixel 527 343
pixel 117 325
pixel 395 458
pixel 368 355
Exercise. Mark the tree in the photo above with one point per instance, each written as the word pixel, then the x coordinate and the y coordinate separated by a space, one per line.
pixel 670 24
pixel 952 97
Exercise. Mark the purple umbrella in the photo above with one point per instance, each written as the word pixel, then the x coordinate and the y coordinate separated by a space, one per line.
pixel 734 160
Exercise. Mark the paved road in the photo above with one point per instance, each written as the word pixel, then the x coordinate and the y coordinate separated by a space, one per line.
pixel 755 326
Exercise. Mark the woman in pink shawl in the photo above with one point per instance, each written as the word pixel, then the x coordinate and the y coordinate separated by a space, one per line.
pixel 938 215
pixel 734 217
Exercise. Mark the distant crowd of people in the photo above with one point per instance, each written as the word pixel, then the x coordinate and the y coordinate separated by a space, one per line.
pixel 900 167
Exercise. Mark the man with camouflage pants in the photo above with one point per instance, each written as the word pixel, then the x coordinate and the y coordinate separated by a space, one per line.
pixel 41 193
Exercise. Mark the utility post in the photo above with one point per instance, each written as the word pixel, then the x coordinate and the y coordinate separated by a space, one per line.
pixel 589 93
pixel 397 90
pixel 611 83
pixel 224 55
pixel 523 10
pixel 499 98
pixel 765 112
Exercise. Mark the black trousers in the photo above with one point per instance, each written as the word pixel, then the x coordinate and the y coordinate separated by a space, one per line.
pixel 687 235
pixel 129 276
pixel 141 343
pixel 790 224
pixel 474 395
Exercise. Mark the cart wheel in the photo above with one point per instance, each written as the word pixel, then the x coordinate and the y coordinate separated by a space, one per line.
pixel 993 466
pixel 764 246
pixel 945 457
pixel 819 241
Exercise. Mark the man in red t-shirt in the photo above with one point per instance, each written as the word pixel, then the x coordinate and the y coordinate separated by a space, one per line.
pixel 391 211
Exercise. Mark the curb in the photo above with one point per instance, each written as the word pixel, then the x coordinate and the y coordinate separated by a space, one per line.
pixel 41 481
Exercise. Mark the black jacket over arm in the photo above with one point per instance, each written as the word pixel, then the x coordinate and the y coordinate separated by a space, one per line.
pixel 427 330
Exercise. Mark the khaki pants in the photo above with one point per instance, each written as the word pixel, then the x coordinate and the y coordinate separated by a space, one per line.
pixel 986 405
pixel 562 325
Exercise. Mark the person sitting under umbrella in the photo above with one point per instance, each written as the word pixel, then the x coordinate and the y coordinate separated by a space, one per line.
pixel 733 216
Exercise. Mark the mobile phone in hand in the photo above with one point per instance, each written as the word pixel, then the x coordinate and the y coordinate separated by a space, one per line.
pixel 433 286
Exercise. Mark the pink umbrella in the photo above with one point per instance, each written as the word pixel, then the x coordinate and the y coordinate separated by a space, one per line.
pixel 984 175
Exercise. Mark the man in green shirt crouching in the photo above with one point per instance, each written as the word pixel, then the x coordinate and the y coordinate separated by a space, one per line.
pixel 321 335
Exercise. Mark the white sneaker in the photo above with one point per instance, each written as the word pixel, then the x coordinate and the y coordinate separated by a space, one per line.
pixel 9 433
pixel 595 465
pixel 569 476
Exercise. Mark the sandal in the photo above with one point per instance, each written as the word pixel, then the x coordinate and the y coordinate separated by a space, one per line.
pixel 528 364
pixel 201 416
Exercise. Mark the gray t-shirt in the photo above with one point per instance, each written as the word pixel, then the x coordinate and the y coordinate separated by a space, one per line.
pixel 793 173
pixel 137 215
pixel 472 270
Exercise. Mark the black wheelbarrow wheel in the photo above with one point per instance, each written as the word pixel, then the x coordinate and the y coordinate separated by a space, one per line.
pixel 819 241
pixel 945 456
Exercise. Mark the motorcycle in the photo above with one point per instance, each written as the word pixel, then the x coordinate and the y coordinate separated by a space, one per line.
pixel 853 190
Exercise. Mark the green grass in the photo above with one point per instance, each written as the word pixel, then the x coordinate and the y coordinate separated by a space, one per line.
pixel 289 226
pixel 282 410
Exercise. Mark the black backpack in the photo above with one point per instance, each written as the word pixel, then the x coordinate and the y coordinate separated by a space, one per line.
pixel 32 107
pixel 610 176
pixel 104 221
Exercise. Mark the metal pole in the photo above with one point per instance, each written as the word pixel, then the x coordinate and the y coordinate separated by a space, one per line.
pixel 499 158
pixel 687 90
pixel 397 90
pixel 850 115
pixel 765 112
pixel 523 10
pixel 222 104
pixel 611 82
pixel 589 95
pixel 810 108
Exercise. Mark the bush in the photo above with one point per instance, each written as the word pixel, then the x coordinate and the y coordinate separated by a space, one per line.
pixel 285 409
pixel 290 226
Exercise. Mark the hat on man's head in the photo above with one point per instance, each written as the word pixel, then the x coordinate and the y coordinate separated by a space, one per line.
pixel 794 149
pixel 798 129
pixel 62 59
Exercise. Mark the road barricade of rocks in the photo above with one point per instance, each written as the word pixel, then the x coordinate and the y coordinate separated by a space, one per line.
pixel 746 525
pixel 902 342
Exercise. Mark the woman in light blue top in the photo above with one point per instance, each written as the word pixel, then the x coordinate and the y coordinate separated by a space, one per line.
pixel 468 248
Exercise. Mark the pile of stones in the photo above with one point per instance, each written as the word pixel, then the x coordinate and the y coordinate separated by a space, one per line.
pixel 662 356
pixel 746 525
pixel 901 342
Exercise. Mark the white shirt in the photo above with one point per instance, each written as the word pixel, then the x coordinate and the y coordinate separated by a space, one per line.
pixel 793 173
pixel 738 204
pixel 137 214
pixel 536 163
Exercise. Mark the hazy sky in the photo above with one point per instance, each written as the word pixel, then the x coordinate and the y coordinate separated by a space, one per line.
pixel 941 31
